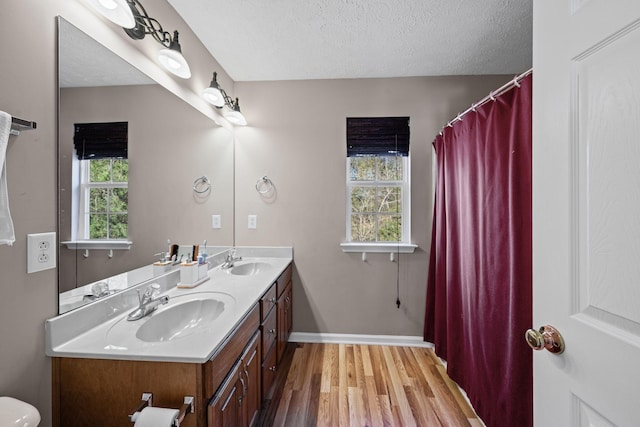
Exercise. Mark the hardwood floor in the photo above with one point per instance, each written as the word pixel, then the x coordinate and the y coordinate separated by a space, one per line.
pixel 370 385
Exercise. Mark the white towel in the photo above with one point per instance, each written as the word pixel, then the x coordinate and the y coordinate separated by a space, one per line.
pixel 7 235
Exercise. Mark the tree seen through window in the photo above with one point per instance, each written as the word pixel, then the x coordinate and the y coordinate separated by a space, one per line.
pixel 108 198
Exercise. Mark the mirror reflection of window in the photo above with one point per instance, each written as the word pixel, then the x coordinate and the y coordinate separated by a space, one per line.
pixel 103 194
pixel 104 185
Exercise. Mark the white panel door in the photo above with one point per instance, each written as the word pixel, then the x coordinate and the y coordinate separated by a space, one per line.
pixel 586 210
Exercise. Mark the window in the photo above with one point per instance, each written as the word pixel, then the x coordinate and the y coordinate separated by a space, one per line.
pixel 378 190
pixel 103 194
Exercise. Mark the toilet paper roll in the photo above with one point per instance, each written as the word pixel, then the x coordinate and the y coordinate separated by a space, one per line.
pixel 156 417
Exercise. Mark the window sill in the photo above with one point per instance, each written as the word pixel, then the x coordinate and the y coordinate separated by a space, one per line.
pixel 403 248
pixel 122 245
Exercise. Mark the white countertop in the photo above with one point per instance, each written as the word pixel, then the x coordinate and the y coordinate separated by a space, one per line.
pixel 109 335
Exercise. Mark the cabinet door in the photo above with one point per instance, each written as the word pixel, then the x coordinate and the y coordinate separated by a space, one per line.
pixel 284 320
pixel 288 307
pixel 224 410
pixel 269 368
pixel 250 372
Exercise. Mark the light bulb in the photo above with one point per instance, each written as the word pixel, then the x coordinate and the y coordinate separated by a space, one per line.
pixel 172 63
pixel 108 4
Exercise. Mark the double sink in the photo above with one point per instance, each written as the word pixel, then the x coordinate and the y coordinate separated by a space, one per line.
pixel 187 328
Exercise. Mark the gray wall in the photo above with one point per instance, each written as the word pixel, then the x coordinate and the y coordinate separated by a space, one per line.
pixel 296 138
pixel 28 90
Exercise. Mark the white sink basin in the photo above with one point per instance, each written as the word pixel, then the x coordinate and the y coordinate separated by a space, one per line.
pixel 181 320
pixel 184 316
pixel 250 268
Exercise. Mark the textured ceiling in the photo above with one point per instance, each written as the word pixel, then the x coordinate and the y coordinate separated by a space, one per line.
pixel 83 62
pixel 323 39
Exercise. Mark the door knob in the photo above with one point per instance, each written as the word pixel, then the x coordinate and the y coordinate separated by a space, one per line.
pixel 546 337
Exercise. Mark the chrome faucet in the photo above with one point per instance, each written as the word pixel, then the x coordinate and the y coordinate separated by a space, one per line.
pixel 230 259
pixel 98 290
pixel 147 302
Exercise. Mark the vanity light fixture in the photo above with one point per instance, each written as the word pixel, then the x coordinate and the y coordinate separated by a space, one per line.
pixel 217 96
pixel 136 22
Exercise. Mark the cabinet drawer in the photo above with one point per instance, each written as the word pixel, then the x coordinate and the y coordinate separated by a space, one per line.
pixel 283 280
pixel 269 331
pixel 269 368
pixel 267 302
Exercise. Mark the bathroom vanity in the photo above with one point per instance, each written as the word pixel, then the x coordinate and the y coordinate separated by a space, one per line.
pixel 223 342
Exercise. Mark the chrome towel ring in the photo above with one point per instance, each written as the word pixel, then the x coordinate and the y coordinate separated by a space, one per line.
pixel 264 185
pixel 201 185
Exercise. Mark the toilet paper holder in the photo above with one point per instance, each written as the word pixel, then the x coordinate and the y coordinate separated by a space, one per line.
pixel 188 407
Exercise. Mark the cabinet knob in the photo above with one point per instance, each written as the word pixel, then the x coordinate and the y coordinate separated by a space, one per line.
pixel 272 368
pixel 272 331
pixel 272 300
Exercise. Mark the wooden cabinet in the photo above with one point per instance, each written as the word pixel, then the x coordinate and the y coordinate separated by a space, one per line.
pixel 276 328
pixel 86 390
pixel 237 387
pixel 237 402
pixel 91 392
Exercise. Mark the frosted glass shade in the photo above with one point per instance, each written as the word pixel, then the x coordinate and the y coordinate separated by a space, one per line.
pixel 235 117
pixel 174 62
pixel 117 11
pixel 213 96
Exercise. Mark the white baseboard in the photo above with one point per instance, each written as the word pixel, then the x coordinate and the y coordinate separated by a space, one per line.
pixel 396 340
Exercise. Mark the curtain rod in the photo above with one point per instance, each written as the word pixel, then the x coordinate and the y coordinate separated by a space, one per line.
pixel 491 97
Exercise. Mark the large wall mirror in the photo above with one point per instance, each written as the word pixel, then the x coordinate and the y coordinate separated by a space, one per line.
pixel 170 147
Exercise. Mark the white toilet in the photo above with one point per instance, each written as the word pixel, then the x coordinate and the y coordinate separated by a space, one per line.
pixel 16 413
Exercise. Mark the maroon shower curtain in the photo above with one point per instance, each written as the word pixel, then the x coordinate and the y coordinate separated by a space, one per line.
pixel 479 283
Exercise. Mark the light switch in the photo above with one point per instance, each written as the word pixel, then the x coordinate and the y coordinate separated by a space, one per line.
pixel 253 221
pixel 216 221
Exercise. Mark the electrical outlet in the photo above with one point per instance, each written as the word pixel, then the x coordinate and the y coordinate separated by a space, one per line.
pixel 41 252
pixel 215 221
pixel 252 221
